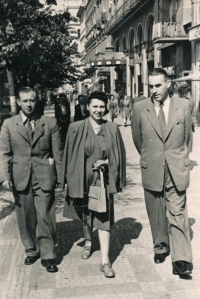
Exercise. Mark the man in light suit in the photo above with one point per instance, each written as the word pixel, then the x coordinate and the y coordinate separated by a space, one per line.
pixel 30 159
pixel 161 129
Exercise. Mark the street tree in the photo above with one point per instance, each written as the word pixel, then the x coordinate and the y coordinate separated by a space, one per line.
pixel 36 45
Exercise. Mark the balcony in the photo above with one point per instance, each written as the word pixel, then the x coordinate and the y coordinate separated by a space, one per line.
pixel 169 32
pixel 120 14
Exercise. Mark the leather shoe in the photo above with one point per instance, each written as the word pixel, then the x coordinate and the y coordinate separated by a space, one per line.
pixel 50 265
pixel 160 257
pixel 182 268
pixel 29 260
pixel 108 271
pixel 86 252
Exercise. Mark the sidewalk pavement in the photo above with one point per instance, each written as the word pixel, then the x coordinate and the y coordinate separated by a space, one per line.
pixel 137 276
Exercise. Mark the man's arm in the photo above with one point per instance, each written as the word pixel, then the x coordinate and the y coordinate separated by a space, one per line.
pixel 6 155
pixel 56 150
pixel 136 128
pixel 187 123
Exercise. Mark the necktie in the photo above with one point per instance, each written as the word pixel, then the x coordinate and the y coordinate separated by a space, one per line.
pixel 29 130
pixel 162 121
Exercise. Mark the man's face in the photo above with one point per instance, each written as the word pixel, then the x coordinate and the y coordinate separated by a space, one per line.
pixel 159 86
pixel 27 102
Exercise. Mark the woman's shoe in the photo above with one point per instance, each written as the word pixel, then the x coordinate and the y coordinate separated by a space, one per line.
pixel 108 271
pixel 86 252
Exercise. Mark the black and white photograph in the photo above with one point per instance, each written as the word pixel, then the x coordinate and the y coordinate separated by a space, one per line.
pixel 99 149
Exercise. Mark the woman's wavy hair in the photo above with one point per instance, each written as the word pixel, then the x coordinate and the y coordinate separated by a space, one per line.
pixel 99 95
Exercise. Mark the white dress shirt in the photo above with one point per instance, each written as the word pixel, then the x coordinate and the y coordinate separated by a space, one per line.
pixel 32 121
pixel 166 104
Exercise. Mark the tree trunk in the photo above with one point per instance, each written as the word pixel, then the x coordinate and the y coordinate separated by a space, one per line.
pixel 13 104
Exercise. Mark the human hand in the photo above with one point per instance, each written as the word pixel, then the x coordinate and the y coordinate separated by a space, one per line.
pixel 100 164
pixel 7 184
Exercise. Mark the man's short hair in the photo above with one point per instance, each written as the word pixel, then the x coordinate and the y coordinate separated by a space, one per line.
pixel 26 89
pixel 159 71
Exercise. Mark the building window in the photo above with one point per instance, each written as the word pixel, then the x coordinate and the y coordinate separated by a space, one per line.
pixel 124 43
pixel 132 42
pixel 117 47
pixel 150 33
pixel 139 39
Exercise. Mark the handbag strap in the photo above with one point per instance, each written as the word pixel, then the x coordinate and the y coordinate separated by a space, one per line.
pixel 95 178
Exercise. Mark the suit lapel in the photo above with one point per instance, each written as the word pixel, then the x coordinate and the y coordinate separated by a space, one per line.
pixel 172 116
pixel 153 118
pixel 21 128
pixel 39 130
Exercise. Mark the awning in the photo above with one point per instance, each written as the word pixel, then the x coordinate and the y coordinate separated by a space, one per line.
pixel 170 39
pixel 165 46
pixel 191 77
pixel 109 59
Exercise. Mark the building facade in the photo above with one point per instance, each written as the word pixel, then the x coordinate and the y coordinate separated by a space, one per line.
pixel 194 37
pixel 126 39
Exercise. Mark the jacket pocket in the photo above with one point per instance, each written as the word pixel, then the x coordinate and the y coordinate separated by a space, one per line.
pixel 187 162
pixel 143 164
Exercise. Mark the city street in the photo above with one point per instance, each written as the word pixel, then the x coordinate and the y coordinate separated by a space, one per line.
pixel 131 251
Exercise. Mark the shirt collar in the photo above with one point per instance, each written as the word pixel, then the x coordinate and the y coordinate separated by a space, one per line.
pixel 24 117
pixel 165 103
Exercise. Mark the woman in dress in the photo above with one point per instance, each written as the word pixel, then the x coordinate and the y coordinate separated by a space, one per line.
pixel 112 107
pixel 94 144
pixel 126 109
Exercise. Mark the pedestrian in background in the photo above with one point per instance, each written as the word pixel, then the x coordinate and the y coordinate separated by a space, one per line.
pixel 161 128
pixel 62 114
pixel 112 107
pixel 184 92
pixel 125 104
pixel 94 144
pixel 81 111
pixel 30 158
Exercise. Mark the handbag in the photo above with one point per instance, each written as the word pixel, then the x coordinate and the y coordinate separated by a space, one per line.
pixel 97 195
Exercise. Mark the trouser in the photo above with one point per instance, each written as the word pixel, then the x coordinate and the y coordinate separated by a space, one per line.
pixel 35 211
pixel 167 212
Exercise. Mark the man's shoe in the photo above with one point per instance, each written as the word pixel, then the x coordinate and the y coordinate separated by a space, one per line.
pixel 160 257
pixel 29 260
pixel 182 268
pixel 108 271
pixel 50 265
pixel 86 252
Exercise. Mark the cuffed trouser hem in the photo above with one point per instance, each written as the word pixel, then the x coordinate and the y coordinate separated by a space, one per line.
pixel 182 258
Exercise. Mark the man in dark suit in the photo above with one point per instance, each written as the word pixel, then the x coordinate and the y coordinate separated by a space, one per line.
pixel 161 129
pixel 30 158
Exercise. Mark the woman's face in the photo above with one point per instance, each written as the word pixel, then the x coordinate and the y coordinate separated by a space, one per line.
pixel 96 109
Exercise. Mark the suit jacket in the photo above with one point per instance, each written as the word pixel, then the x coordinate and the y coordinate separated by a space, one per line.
pixel 18 155
pixel 154 151
pixel 73 165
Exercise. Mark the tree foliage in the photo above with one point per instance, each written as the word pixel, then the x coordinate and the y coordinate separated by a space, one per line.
pixel 36 43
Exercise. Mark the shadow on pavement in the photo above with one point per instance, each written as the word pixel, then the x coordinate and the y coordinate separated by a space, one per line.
pixel 7 206
pixel 69 232
pixel 123 231
pixel 191 223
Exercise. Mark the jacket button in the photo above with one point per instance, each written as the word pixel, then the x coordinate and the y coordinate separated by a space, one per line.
pixel 163 164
